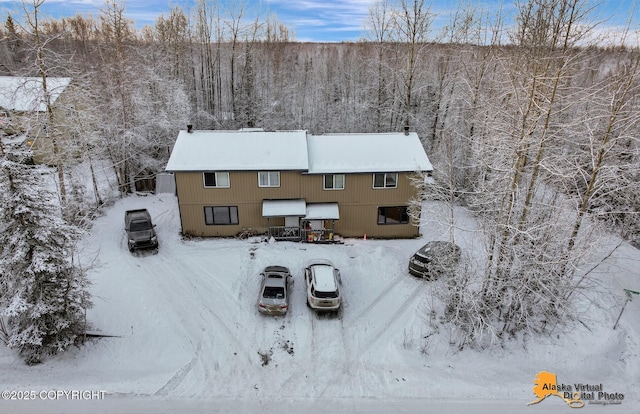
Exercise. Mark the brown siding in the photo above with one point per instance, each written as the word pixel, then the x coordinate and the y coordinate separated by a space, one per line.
pixel 358 202
pixel 243 193
pixel 358 220
pixel 243 188
pixel 358 189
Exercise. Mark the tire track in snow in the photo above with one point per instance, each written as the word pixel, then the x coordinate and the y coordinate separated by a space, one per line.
pixel 227 330
pixel 190 289
pixel 344 337
pixel 179 376
pixel 313 353
pixel 189 268
pixel 386 291
pixel 204 360
pixel 344 372
pixel 208 281
pixel 401 308
pixel 314 336
pixel 156 267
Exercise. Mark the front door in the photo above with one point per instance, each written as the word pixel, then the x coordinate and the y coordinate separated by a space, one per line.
pixel 316 224
pixel 291 221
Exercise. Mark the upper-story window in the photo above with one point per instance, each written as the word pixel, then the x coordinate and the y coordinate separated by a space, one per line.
pixel 216 179
pixel 334 182
pixel 269 179
pixel 385 180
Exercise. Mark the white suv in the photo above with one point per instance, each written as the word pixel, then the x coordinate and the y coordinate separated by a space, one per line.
pixel 322 279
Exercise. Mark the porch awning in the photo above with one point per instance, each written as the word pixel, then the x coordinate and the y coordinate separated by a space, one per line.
pixel 322 211
pixel 283 208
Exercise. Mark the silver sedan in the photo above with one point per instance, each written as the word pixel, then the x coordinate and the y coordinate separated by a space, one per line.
pixel 274 293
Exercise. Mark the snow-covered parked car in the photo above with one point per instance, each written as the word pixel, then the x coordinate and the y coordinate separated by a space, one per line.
pixel 434 259
pixel 274 292
pixel 322 280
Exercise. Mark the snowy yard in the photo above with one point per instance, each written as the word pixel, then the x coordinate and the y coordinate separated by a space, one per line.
pixel 188 336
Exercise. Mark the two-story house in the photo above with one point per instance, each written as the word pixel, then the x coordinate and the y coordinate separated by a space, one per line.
pixel 293 185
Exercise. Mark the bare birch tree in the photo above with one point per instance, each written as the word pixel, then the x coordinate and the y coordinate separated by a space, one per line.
pixel 529 275
pixel 379 27
pixel 209 86
pixel 117 81
pixel 50 130
pixel 412 25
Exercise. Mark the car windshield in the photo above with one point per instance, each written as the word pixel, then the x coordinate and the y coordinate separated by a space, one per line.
pixel 273 292
pixel 419 257
pixel 140 225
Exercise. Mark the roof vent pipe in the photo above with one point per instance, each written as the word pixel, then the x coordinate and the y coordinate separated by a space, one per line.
pixel 406 129
pixel 189 128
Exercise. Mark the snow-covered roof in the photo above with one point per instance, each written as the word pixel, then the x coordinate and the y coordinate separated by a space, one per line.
pixel 322 211
pixel 255 150
pixel 24 94
pixel 282 208
pixel 366 153
pixel 243 150
pixel 325 281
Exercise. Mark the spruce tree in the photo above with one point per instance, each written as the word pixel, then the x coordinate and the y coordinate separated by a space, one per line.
pixel 43 293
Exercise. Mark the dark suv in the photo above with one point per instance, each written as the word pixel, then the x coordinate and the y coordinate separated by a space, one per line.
pixel 434 259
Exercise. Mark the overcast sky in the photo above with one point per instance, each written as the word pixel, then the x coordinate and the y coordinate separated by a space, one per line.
pixel 312 20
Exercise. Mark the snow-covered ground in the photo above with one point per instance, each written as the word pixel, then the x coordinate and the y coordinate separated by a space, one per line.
pixel 188 336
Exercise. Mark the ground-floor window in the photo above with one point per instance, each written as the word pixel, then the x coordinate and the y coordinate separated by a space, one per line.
pixel 221 215
pixel 393 215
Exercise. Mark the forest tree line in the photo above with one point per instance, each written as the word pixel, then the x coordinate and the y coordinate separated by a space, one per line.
pixel 532 125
